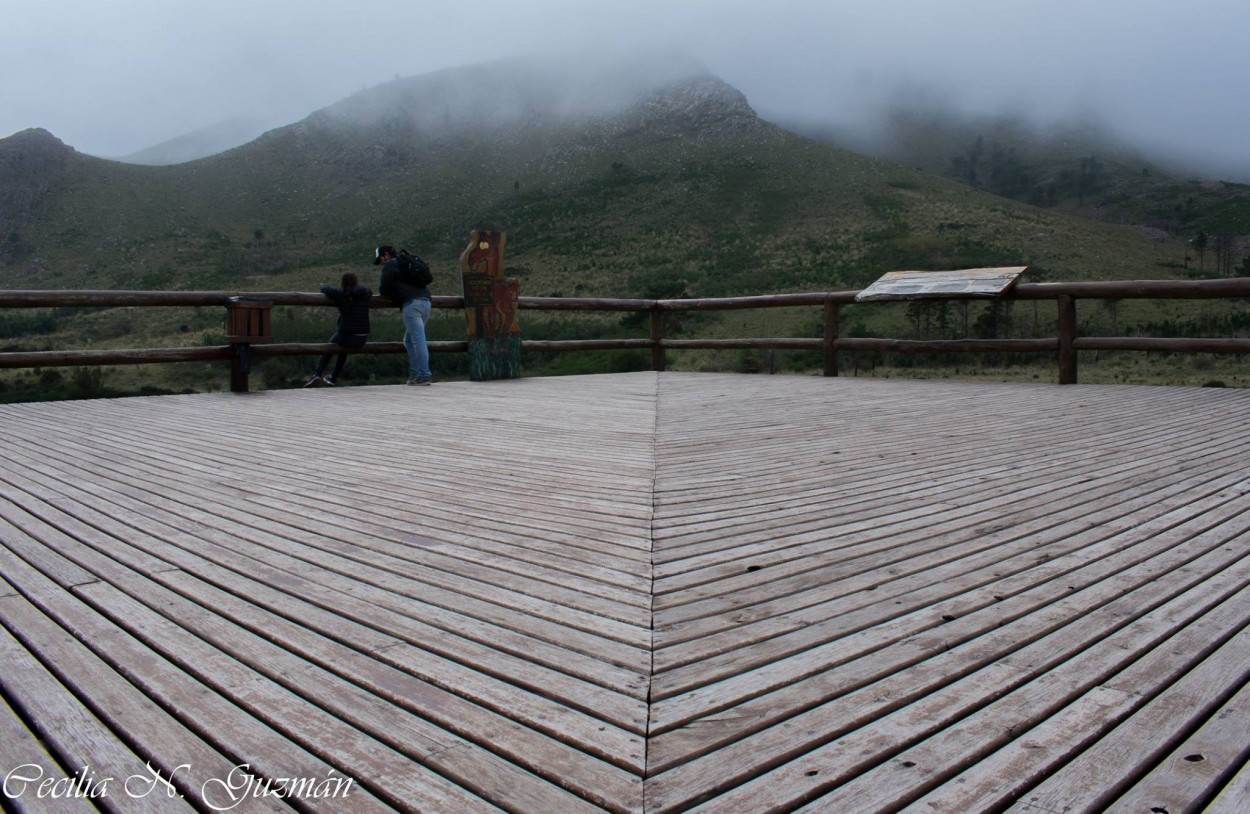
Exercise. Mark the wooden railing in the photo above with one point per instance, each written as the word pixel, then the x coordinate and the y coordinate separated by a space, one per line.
pixel 1065 345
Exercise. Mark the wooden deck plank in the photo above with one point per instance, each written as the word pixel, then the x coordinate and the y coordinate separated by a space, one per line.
pixel 451 703
pixel 1195 768
pixel 393 542
pixel 984 709
pixel 729 618
pixel 652 591
pixel 482 443
pixel 841 543
pixel 1008 617
pixel 121 707
pixel 850 600
pixel 607 741
pixel 453 712
pixel 864 691
pixel 355 480
pixel 912 482
pixel 254 737
pixel 73 731
pixel 790 655
pixel 610 535
pixel 826 443
pixel 297 689
pixel 883 558
pixel 371 616
pixel 953 592
pixel 844 489
pixel 1048 729
pixel 1176 703
pixel 528 638
pixel 25 759
pixel 1235 797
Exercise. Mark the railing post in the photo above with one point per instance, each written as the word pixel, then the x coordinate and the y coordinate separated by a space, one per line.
pixel 240 367
pixel 657 336
pixel 248 320
pixel 831 336
pixel 1067 338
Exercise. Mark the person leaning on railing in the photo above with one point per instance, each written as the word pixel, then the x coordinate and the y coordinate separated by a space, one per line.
pixel 414 304
pixel 352 298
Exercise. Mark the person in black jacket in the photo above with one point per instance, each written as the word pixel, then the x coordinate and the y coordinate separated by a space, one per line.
pixel 352 298
pixel 414 303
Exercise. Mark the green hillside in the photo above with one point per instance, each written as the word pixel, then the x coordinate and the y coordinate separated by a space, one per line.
pixel 679 191
pixel 1079 169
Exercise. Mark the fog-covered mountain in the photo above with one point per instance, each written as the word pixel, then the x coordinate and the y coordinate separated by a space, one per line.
pixel 610 177
pixel 200 143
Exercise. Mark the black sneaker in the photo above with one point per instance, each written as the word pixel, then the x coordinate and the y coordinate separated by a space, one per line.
pixel 327 381
pixel 314 381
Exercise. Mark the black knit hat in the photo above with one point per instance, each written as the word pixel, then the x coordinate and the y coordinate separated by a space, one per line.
pixel 381 250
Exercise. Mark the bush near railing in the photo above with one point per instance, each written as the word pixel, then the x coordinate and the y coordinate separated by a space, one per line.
pixel 1065 345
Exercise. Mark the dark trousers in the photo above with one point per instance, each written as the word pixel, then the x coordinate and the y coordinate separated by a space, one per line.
pixel 345 341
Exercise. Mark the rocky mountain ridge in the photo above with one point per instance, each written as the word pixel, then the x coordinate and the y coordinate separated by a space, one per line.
pixel 446 142
pixel 683 186
pixel 32 163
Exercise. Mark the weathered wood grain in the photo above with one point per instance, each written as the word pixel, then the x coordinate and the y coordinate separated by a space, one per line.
pixel 658 592
pixel 914 285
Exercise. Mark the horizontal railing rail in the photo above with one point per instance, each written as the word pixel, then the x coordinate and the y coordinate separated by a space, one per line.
pixel 1066 344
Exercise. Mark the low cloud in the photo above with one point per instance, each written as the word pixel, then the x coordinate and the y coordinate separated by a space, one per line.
pixel 110 79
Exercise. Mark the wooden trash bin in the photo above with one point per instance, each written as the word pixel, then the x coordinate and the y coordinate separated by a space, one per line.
pixel 248 320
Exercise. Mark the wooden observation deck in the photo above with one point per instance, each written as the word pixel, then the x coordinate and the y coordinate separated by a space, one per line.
pixel 648 592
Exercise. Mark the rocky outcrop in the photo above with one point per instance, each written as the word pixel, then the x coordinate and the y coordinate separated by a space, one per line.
pixel 530 94
pixel 32 163
pixel 700 107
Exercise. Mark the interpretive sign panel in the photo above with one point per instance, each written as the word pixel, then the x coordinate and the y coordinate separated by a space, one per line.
pixel 490 309
pixel 918 285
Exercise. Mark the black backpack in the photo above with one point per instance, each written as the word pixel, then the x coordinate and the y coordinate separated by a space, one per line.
pixel 413 270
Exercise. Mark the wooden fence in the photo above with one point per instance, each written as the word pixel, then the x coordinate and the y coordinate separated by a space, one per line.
pixel 1065 345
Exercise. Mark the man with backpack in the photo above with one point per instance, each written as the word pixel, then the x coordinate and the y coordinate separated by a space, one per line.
pixel 405 282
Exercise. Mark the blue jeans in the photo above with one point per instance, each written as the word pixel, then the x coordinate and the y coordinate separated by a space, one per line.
pixel 415 313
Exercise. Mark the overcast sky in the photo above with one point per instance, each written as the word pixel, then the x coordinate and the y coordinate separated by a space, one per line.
pixel 110 77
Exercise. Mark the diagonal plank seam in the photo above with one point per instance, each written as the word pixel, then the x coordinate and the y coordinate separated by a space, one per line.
pixel 655 427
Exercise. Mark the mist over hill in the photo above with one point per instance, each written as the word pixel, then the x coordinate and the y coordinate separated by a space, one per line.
pixel 557 90
pixel 565 90
pixel 199 144
pixel 1078 166
pixel 613 178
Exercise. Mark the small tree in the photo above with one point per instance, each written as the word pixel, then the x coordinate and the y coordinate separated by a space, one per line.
pixel 1200 243
pixel 1089 176
pixel 918 313
pixel 943 316
pixel 1224 243
pixel 964 166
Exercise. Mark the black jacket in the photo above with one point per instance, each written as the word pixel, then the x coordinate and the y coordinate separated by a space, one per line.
pixel 395 289
pixel 353 308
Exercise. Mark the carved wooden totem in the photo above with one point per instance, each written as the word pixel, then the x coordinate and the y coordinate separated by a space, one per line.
pixel 490 309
